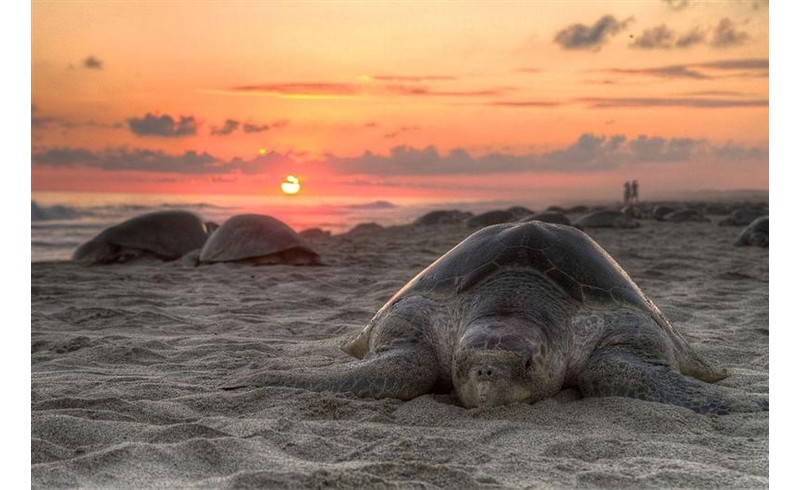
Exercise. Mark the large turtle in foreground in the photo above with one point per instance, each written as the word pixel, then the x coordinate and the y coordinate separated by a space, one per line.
pixel 260 240
pixel 165 235
pixel 516 313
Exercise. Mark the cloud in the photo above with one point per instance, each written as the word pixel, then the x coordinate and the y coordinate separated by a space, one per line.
pixel 226 129
pixel 725 35
pixel 589 153
pixel 312 89
pixel 662 37
pixel 601 102
pixel 747 67
pixel 92 63
pixel 677 4
pixel 153 125
pixel 524 103
pixel 581 36
pixel 412 78
pixel 658 37
pixel 403 129
pixel 421 90
pixel 255 128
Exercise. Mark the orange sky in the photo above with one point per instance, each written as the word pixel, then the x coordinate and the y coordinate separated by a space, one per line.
pixel 405 99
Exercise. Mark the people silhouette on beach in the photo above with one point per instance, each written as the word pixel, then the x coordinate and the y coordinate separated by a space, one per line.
pixel 627 192
pixel 634 191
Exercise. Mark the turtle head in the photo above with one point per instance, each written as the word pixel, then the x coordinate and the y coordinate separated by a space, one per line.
pixel 492 377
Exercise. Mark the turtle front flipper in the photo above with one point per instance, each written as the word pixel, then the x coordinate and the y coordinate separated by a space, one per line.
pixel 403 372
pixel 623 371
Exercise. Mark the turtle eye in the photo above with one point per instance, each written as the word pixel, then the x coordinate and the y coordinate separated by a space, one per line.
pixel 528 363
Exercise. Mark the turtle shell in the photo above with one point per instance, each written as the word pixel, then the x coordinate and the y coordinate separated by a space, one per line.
pixel 165 234
pixel 566 256
pixel 758 225
pixel 247 236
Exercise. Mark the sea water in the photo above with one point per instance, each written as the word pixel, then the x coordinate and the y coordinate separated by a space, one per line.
pixel 61 221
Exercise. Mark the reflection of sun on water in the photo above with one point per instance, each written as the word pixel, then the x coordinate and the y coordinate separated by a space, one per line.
pixel 290 185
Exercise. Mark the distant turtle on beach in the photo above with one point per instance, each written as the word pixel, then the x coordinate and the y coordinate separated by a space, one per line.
pixel 548 217
pixel 490 218
pixel 164 235
pixel 606 218
pixel 443 217
pixel 742 216
pixel 756 233
pixel 515 313
pixel 684 215
pixel 257 239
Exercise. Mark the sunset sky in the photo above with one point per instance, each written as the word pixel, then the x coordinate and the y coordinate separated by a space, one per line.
pixel 478 100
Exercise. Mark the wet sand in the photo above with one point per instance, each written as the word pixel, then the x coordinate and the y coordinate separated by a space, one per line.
pixel 126 363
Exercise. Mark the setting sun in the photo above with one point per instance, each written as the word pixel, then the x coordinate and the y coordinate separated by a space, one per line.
pixel 290 185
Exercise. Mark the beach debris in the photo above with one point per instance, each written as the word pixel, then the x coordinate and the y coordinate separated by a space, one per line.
pixel 260 240
pixel 606 218
pixel 756 233
pixel 516 313
pixel 163 235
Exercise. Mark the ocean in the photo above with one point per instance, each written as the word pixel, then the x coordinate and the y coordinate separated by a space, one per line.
pixel 61 221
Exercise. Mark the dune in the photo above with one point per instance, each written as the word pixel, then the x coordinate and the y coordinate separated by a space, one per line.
pixel 127 360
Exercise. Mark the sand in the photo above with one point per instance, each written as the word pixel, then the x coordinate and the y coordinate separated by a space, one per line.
pixel 126 362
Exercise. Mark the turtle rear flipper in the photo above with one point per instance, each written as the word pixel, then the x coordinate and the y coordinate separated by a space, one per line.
pixel 622 371
pixel 404 372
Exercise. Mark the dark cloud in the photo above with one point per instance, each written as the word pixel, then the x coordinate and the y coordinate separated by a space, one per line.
pixel 226 129
pixel 742 64
pixel 695 36
pixel 726 35
pixel 662 37
pixel 255 128
pixel 401 130
pixel 425 91
pixel 657 149
pixel 153 125
pixel 92 63
pixel 524 103
pixel 589 153
pixel 581 36
pixel 713 69
pixel 675 71
pixel 658 37
pixel 601 102
pixel 677 4
pixel 318 89
pixel 189 162
pixel 418 78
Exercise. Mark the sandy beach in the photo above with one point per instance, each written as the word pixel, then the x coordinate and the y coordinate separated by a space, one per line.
pixel 127 361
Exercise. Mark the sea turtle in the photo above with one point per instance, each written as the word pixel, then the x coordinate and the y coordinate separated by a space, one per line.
pixel 442 216
pixel 686 214
pixel 606 218
pixel 165 235
pixel 742 216
pixel 257 239
pixel 548 217
pixel 661 210
pixel 490 218
pixel 515 313
pixel 756 233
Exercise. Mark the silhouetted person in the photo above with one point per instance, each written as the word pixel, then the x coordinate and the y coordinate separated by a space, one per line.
pixel 634 191
pixel 627 193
